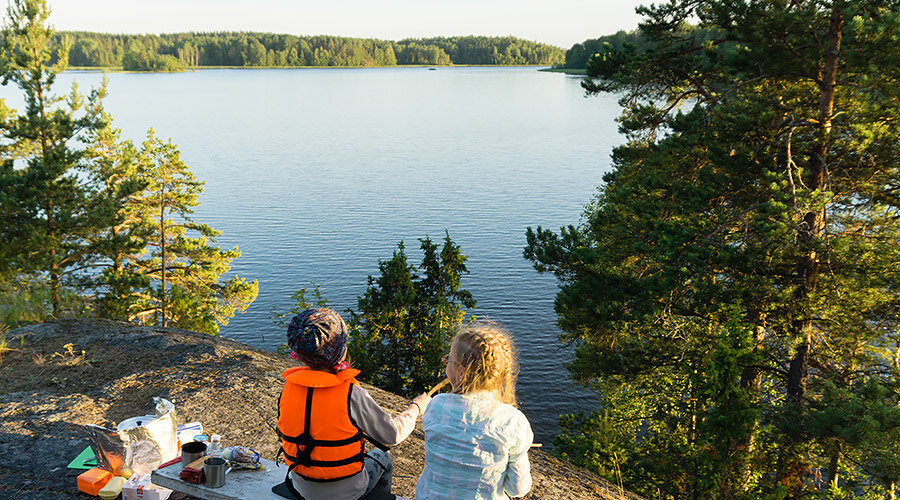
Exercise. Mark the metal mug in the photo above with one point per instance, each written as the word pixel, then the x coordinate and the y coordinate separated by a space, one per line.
pixel 191 452
pixel 214 469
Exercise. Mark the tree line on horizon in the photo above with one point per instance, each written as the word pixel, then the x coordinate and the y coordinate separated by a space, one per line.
pixel 176 52
pixel 578 55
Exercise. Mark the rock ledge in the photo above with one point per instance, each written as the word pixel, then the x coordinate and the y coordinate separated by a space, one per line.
pixel 63 375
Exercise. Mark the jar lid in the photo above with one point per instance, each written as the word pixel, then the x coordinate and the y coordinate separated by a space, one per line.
pixel 215 438
pixel 200 437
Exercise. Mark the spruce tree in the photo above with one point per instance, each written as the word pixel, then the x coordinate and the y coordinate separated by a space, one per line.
pixel 411 317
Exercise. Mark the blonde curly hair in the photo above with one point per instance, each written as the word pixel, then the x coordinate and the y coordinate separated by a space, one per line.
pixel 486 354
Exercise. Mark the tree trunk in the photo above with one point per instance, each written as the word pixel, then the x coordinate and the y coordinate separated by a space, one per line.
pixel 833 466
pixel 813 227
pixel 51 229
pixel 54 283
pixel 162 245
pixel 751 379
pixel 54 261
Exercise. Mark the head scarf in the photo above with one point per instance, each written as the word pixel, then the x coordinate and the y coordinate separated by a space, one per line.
pixel 318 336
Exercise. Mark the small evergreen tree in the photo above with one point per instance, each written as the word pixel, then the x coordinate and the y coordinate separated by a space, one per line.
pixel 180 265
pixel 405 321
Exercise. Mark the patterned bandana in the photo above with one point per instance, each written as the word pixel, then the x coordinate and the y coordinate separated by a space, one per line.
pixel 318 336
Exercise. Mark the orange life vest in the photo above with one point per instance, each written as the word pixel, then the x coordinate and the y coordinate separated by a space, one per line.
pixel 318 438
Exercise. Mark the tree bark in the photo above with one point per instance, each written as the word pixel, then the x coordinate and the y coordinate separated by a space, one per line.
pixel 162 245
pixel 833 466
pixel 751 379
pixel 812 229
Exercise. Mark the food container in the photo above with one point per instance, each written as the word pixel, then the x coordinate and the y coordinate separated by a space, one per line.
pixel 186 432
pixel 137 444
pixel 112 488
pixel 130 423
pixel 93 480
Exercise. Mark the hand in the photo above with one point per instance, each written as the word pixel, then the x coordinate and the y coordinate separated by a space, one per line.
pixel 422 401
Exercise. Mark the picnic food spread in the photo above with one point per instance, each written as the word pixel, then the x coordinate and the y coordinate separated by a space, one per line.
pixel 119 461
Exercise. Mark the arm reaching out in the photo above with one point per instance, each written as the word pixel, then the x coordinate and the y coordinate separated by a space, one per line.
pixel 377 423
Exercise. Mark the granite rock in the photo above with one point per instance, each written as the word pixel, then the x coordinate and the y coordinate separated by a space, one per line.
pixel 66 374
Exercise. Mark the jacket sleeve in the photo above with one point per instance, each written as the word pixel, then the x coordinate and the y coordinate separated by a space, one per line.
pixel 377 423
pixel 517 480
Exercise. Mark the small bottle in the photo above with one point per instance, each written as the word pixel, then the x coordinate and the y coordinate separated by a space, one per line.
pixel 215 446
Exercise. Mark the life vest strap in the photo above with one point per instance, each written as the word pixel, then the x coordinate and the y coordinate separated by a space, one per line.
pixel 304 439
pixel 308 462
pixel 305 444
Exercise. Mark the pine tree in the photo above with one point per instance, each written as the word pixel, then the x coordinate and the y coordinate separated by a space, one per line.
pixel 45 204
pixel 183 267
pixel 733 289
pixel 115 168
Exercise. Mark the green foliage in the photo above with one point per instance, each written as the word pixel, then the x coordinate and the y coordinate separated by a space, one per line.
pixel 578 56
pixel 92 226
pixel 410 317
pixel 46 205
pixel 593 442
pixel 115 171
pixel 302 300
pixel 176 52
pixel 26 299
pixel 863 420
pixel 147 61
pixel 732 290
pixel 174 278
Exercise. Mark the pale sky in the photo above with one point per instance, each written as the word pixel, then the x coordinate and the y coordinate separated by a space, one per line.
pixel 561 22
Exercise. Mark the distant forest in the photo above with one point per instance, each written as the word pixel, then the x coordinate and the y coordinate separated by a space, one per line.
pixel 577 57
pixel 176 52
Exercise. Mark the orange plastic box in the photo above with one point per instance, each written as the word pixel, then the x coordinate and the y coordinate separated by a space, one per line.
pixel 92 481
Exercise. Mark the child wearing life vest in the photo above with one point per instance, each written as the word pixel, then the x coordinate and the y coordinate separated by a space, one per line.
pixel 324 416
pixel 476 440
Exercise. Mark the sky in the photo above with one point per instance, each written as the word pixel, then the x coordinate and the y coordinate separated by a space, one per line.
pixel 561 22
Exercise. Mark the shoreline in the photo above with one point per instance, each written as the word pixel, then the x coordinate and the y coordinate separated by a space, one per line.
pixel 567 71
pixel 118 69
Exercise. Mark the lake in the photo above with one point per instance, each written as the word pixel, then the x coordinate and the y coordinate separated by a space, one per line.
pixel 317 174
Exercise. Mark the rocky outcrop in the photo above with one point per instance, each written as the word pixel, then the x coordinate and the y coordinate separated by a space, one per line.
pixel 63 375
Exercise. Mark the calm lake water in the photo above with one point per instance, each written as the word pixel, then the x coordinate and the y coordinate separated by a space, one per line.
pixel 317 174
